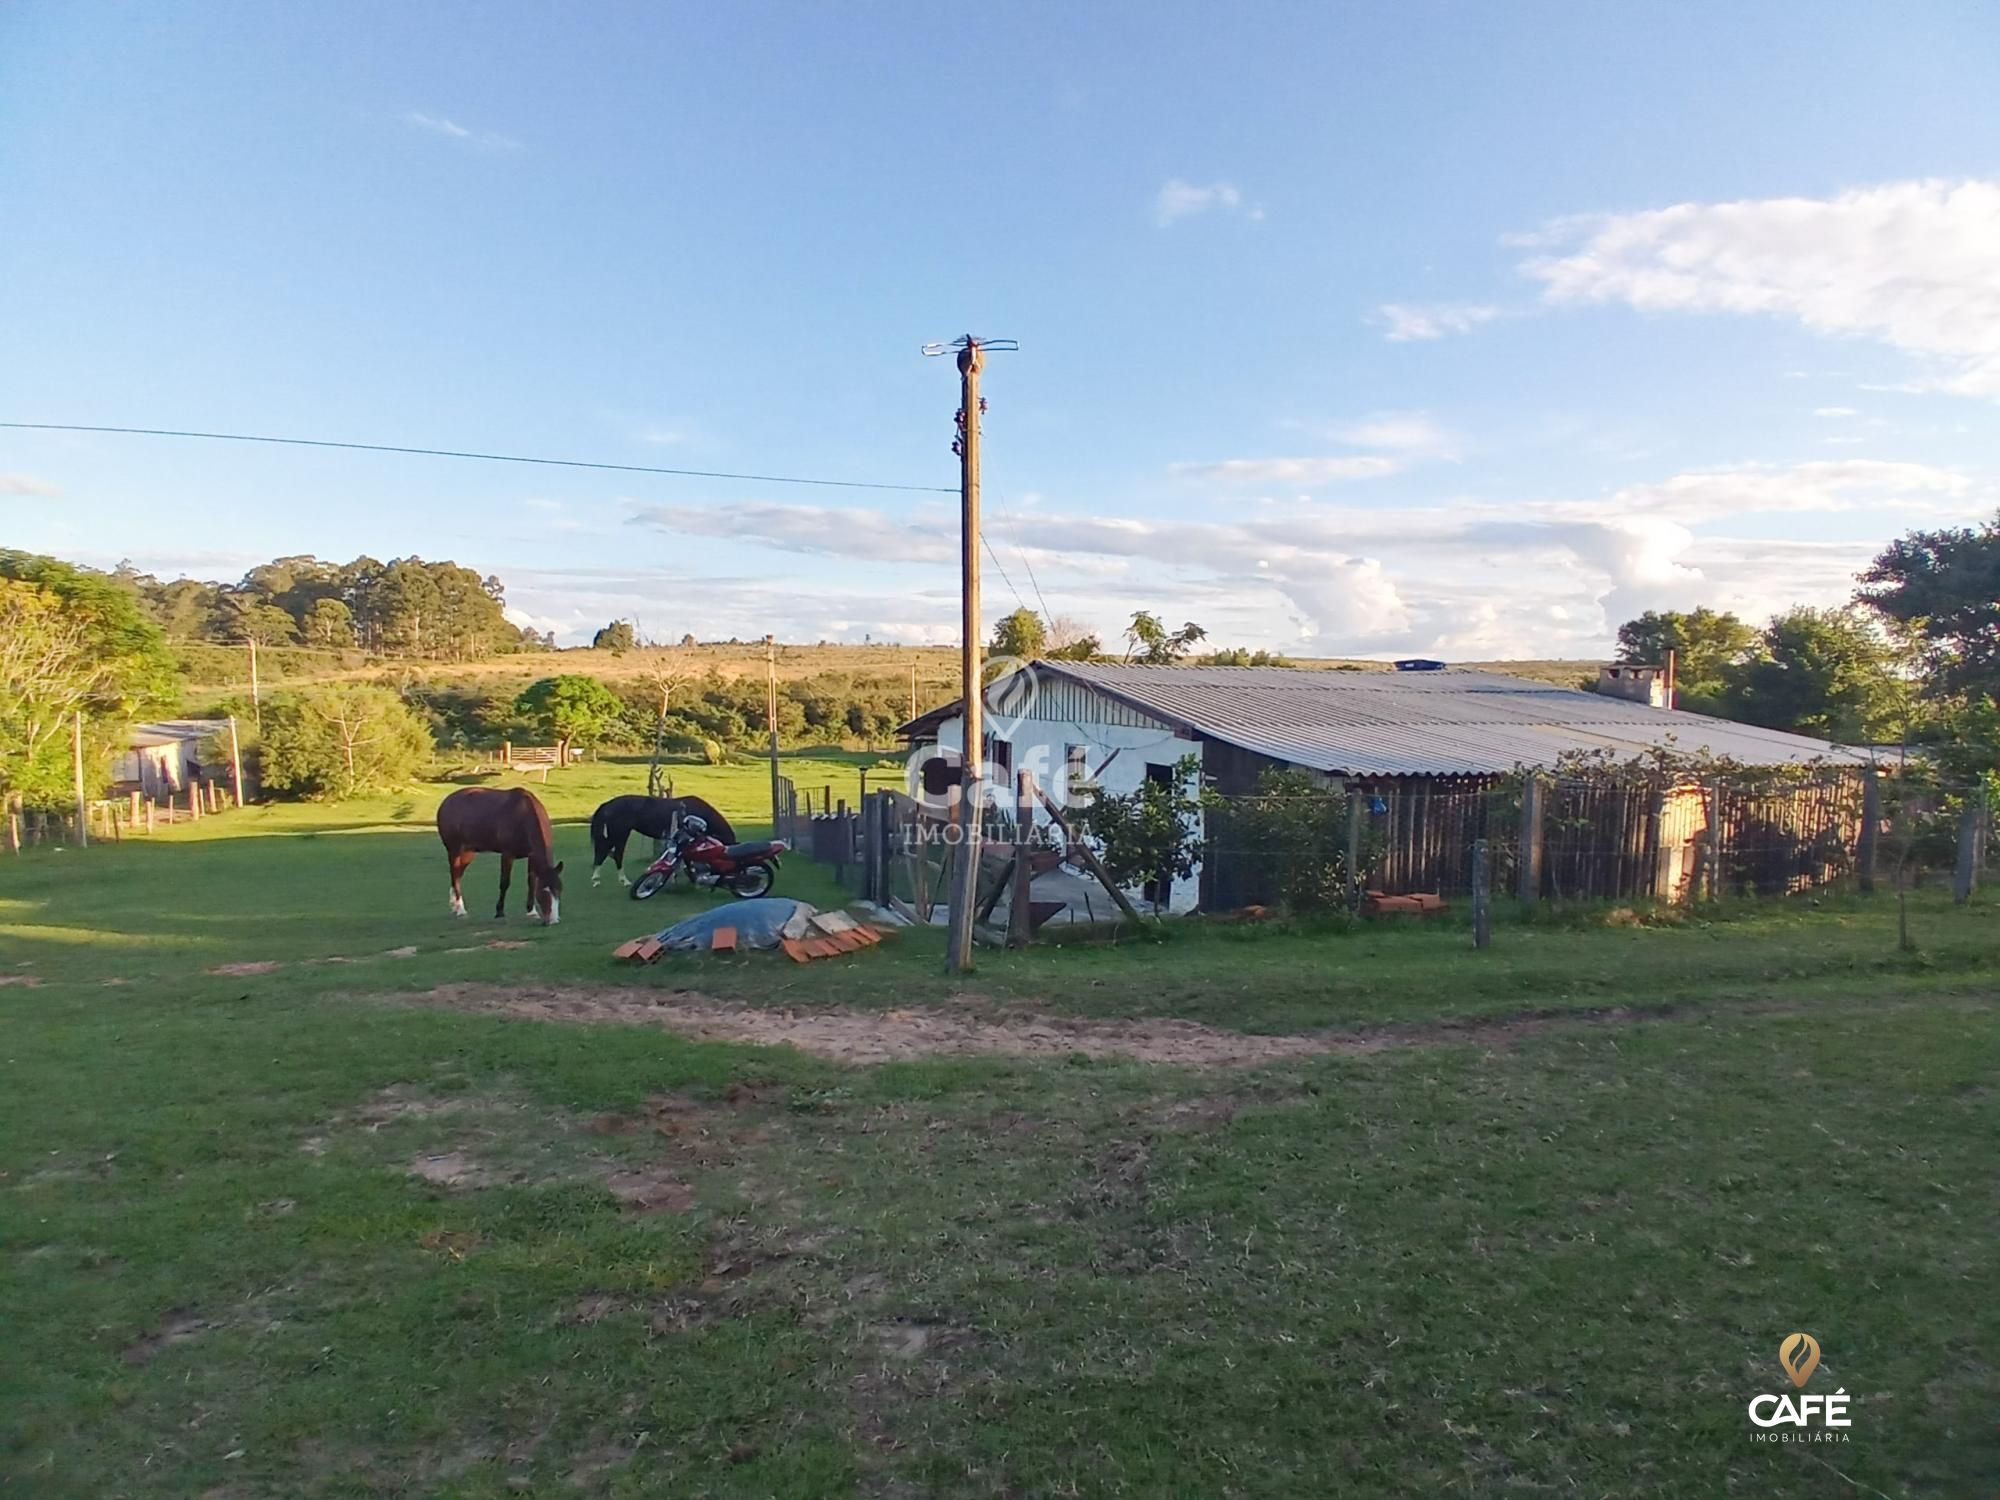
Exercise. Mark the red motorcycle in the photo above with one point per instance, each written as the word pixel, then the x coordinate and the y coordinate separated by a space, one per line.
pixel 745 870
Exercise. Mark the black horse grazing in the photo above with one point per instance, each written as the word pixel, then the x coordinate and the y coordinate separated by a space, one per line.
pixel 512 823
pixel 617 820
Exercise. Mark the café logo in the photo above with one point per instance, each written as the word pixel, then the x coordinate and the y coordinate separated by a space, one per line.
pixel 1802 1418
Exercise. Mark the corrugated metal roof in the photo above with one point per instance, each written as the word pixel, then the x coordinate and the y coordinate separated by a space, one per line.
pixel 174 731
pixel 1448 723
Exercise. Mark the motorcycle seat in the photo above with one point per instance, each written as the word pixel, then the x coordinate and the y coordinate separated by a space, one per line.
pixel 749 850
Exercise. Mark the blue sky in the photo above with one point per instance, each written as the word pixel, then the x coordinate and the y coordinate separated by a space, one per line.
pixel 1361 329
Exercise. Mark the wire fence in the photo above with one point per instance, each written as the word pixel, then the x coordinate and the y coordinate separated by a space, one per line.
pixel 1631 838
pixel 1590 838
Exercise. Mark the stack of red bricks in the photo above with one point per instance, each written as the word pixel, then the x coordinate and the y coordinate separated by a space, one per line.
pixel 828 935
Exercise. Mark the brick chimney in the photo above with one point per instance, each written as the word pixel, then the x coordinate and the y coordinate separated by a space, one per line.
pixel 1647 685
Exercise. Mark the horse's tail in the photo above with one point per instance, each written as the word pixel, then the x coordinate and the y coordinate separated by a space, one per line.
pixel 600 836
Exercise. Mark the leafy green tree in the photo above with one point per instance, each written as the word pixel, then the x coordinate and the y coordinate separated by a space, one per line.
pixel 328 623
pixel 1148 641
pixel 573 709
pixel 1021 635
pixel 1705 644
pixel 618 637
pixel 1945 587
pixel 1286 841
pixel 1825 672
pixel 246 617
pixel 1070 641
pixel 1153 833
pixel 339 740
pixel 135 672
pixel 1242 656
pixel 47 674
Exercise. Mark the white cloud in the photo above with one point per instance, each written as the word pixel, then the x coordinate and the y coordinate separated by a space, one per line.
pixel 1829 485
pixel 816 530
pixel 1403 322
pixel 1835 411
pixel 1182 200
pixel 1291 471
pixel 1913 264
pixel 26 484
pixel 451 130
pixel 1412 433
pixel 1398 439
pixel 1457 579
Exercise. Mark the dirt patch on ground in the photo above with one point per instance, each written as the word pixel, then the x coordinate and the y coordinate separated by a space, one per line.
pixel 177 1327
pixel 887 1036
pixel 650 1190
pixel 864 1036
pixel 452 1169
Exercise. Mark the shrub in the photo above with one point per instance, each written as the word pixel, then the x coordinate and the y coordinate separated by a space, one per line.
pixel 339 740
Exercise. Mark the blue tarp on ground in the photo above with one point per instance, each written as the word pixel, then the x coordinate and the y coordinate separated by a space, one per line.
pixel 759 923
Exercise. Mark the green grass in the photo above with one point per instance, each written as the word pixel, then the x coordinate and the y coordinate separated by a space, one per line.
pixel 1557 1263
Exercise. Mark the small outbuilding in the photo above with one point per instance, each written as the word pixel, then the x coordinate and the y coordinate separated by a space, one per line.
pixel 164 758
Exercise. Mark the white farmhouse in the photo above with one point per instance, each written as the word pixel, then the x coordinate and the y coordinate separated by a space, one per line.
pixel 1409 738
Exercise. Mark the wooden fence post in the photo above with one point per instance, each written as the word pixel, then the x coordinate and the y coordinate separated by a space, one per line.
pixel 1528 869
pixel 1965 877
pixel 1871 827
pixel 869 848
pixel 1353 847
pixel 1656 829
pixel 1482 929
pixel 82 807
pixel 1020 915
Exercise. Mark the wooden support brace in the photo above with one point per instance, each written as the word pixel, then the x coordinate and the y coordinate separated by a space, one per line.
pixel 1090 859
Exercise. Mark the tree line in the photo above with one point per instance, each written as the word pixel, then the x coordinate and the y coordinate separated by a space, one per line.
pixel 431 611
pixel 1914 657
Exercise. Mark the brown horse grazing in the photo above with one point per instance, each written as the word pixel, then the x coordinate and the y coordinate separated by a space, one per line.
pixel 512 823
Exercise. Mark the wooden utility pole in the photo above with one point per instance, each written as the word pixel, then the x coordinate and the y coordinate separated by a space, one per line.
pixel 235 762
pixel 771 718
pixel 913 690
pixel 82 806
pixel 256 703
pixel 971 360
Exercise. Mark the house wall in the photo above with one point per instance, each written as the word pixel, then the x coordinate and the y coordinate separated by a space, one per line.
pixel 1040 745
pixel 157 770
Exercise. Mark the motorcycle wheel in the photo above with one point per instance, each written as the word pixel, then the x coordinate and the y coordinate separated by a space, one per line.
pixel 651 883
pixel 752 881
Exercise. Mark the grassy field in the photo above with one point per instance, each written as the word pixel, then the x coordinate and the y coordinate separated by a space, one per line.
pixel 340 1229
pixel 934 667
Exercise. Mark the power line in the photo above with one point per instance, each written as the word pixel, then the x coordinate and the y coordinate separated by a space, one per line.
pixel 498 458
pixel 1003 573
pixel 1014 537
